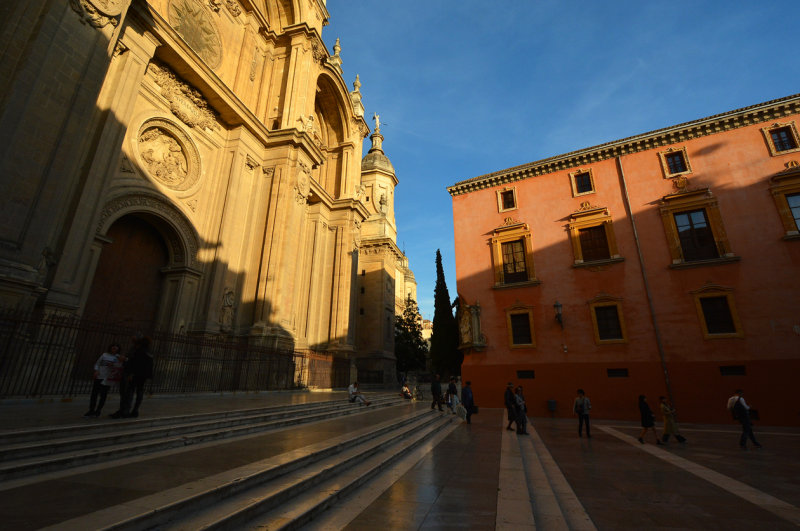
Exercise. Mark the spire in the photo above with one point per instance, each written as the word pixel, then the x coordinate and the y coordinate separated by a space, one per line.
pixel 335 60
pixel 355 97
pixel 376 159
pixel 376 137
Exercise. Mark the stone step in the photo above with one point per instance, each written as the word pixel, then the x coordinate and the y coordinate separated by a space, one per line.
pixel 64 438
pixel 92 427
pixel 238 495
pixel 17 468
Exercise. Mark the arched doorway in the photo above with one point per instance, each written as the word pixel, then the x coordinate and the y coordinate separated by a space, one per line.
pixel 128 280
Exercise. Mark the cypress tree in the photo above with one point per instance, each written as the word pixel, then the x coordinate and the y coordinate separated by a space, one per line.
pixel 409 347
pixel 444 338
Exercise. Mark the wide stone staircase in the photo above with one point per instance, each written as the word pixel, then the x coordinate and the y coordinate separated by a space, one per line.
pixel 284 490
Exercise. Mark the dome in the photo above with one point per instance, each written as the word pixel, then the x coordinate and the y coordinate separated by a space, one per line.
pixel 376 159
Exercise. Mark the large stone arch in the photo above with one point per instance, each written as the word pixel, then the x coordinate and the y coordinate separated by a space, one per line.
pixel 180 277
pixel 281 13
pixel 175 228
pixel 330 111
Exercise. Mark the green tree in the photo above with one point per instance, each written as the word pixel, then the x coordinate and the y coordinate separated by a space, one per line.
pixel 444 339
pixel 409 347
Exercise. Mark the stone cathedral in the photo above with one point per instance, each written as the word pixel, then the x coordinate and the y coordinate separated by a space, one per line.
pixel 195 166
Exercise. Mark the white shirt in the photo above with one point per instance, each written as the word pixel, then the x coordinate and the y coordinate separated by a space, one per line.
pixel 352 390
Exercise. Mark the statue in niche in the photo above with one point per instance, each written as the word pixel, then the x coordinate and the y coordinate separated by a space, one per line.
pixel 382 203
pixel 163 156
pixel 226 311
pixel 469 324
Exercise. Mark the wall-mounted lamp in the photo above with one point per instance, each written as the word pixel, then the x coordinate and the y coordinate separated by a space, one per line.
pixel 557 308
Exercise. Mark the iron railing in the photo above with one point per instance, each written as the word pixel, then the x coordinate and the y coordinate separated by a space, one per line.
pixel 54 355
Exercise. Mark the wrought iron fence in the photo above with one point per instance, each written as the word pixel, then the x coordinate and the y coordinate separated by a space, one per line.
pixel 54 355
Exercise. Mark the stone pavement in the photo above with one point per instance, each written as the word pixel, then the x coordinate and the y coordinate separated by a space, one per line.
pixel 466 480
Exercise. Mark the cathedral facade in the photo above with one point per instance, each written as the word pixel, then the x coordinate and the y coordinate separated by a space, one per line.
pixel 194 166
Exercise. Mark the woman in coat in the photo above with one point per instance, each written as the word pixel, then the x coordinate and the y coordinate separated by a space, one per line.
pixel 670 426
pixel 522 412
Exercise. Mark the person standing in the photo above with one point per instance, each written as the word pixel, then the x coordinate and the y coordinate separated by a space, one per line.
pixel 452 394
pixel 648 420
pixel 670 426
pixel 468 400
pixel 137 369
pixel 521 412
pixel 436 391
pixel 741 412
pixel 511 405
pixel 107 370
pixel 581 407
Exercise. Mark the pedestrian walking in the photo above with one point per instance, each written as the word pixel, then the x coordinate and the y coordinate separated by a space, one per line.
pixel 648 420
pixel 468 400
pixel 670 426
pixel 436 391
pixel 581 407
pixel 510 400
pixel 521 412
pixel 107 372
pixel 741 412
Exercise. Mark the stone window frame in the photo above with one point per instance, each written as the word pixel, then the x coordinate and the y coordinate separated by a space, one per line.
pixel 587 217
pixel 714 290
pixel 604 300
pixel 662 156
pixel 782 184
pixel 572 175
pixel 500 193
pixel 512 230
pixel 520 309
pixel 767 132
pixel 671 204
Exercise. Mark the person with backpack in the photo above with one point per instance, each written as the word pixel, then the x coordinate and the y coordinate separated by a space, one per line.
pixel 581 407
pixel 741 412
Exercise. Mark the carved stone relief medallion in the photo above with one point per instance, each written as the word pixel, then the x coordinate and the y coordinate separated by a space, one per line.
pixel 194 24
pixel 168 155
pixel 99 13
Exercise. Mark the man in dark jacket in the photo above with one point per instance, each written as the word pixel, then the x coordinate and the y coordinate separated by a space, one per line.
pixel 137 370
pixel 436 391
pixel 511 405
pixel 468 400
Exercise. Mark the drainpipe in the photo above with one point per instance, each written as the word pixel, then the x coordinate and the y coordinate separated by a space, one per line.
pixel 656 329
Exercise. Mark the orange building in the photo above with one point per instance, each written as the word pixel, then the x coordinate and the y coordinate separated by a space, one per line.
pixel 661 264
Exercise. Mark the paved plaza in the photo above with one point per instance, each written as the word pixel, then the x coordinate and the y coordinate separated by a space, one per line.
pixel 469 477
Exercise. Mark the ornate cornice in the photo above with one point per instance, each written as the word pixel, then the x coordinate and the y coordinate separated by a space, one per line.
pixel 185 102
pixel 760 113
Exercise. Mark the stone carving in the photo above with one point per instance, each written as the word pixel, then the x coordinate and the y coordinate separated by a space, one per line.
pixel 119 49
pixel 192 204
pixel 336 60
pixel 302 187
pixel 355 98
pixel 377 118
pixel 47 261
pixel 382 204
pixel 361 190
pixel 184 101
pixel 194 24
pixel 98 13
pixel 268 172
pixel 233 7
pixel 680 183
pixel 469 323
pixel 182 241
pixel 163 157
pixel 254 64
pixel 215 5
pixel 168 154
pixel 125 165
pixel 507 222
pixel 226 311
pixel 251 163
pixel 309 126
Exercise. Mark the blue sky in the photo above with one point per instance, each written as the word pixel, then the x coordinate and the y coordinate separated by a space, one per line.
pixel 465 88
